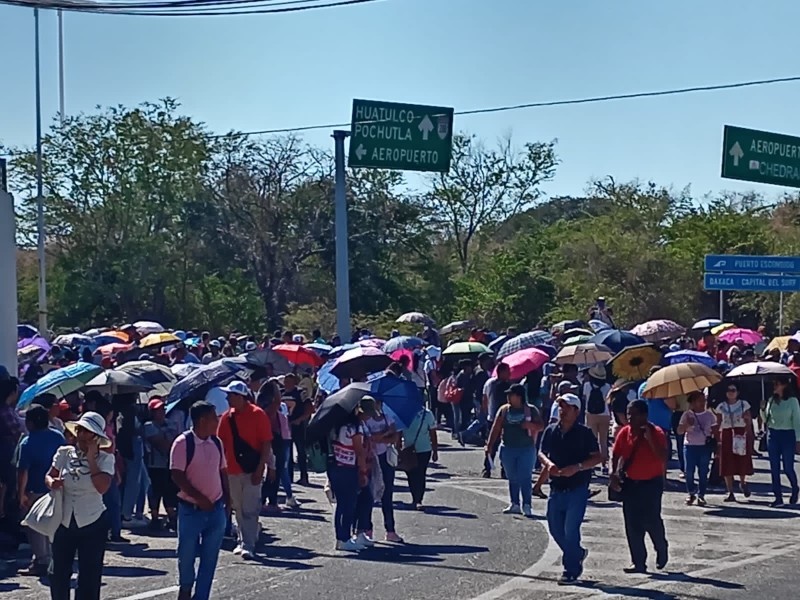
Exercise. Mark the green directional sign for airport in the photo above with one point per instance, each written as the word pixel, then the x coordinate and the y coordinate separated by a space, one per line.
pixel 404 137
pixel 761 156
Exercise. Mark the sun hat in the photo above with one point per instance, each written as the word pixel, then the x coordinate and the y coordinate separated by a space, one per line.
pixel 598 372
pixel 93 422
pixel 237 387
pixel 367 406
pixel 570 399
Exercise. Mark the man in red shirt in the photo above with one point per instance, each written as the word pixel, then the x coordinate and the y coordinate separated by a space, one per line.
pixel 639 459
pixel 246 436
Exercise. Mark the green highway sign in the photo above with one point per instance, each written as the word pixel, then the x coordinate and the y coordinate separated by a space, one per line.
pixel 405 137
pixel 761 156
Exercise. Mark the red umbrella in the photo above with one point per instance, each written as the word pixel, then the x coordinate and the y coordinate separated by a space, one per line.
pixel 299 355
pixel 524 361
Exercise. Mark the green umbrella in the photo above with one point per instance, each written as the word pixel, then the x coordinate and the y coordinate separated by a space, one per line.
pixel 466 348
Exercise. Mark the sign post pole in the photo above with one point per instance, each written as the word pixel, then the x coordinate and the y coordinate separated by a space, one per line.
pixel 721 306
pixel 342 259
pixel 8 277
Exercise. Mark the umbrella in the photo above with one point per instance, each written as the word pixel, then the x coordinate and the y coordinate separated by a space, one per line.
pixel 597 325
pixel 455 326
pixel 74 339
pixel 111 337
pixel 577 339
pixel 358 362
pixel 551 351
pixel 403 342
pixel 761 370
pixel 30 351
pixel 92 333
pixel 60 382
pixel 339 350
pixel 583 355
pixel 197 383
pixel 192 342
pixel 576 331
pixel 26 331
pixel 706 324
pixel 36 340
pixel 565 325
pixel 496 344
pixel 617 339
pixel 329 383
pixel 531 339
pixel 749 336
pixel 653 331
pixel 114 348
pixel 336 410
pixel 465 348
pixel 781 343
pixel 415 317
pixel 265 357
pixel 634 362
pixel 678 380
pixel 371 342
pixel 158 340
pixel 690 356
pixel 119 382
pixel 722 327
pixel 184 370
pixel 298 355
pixel 147 327
pixel 400 395
pixel 523 362
pixel 321 349
pixel 162 378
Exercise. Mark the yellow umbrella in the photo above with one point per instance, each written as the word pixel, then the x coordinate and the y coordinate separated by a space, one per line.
pixel 158 339
pixel 724 327
pixel 683 378
pixel 781 343
pixel 634 362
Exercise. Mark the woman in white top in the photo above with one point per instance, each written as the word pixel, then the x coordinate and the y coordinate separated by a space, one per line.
pixel 735 448
pixel 83 474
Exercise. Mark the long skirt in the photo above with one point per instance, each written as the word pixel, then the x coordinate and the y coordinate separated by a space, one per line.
pixel 734 465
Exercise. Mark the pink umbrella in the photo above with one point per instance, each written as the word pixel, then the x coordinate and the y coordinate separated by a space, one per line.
pixel 402 352
pixel 749 336
pixel 371 343
pixel 523 362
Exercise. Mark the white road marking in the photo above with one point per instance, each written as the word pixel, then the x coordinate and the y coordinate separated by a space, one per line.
pixel 151 594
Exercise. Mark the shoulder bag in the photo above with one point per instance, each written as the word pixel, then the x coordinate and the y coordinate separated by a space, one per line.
pixel 45 515
pixel 615 495
pixel 246 456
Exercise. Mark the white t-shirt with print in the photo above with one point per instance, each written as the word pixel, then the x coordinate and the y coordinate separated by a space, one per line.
pixel 733 414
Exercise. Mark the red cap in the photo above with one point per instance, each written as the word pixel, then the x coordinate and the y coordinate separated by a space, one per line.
pixel 155 404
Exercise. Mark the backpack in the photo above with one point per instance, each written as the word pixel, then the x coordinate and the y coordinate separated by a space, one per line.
pixel 190 446
pixel 596 404
pixel 452 393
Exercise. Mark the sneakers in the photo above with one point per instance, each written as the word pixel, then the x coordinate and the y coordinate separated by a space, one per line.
pixel 527 510
pixel 690 499
pixel 362 539
pixel 292 503
pixel 394 538
pixel 348 546
pixel 635 569
pixel 511 509
pixel 776 503
pixel 567 580
pixel 246 554
pixel 238 550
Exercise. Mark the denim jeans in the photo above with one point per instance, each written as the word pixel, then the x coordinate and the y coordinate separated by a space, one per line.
pixel 344 483
pixel 114 508
pixel 565 511
pixel 780 446
pixel 387 500
pixel 455 411
pixel 697 458
pixel 364 505
pixel 518 465
pixel 680 438
pixel 299 441
pixel 199 536
pixel 88 543
pixel 282 449
pixel 136 480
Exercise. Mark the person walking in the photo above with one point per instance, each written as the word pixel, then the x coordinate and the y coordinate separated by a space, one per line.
pixel 84 474
pixel 494 392
pixel 421 436
pixel 569 452
pixel 199 469
pixel 159 433
pixel 639 458
pixel 735 441
pixel 781 417
pixel 598 416
pixel 698 426
pixel 246 435
pixel 516 424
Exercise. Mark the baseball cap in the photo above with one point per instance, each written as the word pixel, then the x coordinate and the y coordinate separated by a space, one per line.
pixel 566 386
pixel 215 343
pixel 517 389
pixel 236 387
pixel 570 399
pixel 155 404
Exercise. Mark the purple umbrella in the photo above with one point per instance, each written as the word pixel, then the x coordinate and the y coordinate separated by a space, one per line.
pixel 34 341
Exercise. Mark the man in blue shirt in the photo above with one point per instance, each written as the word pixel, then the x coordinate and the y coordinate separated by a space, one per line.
pixel 569 452
pixel 36 453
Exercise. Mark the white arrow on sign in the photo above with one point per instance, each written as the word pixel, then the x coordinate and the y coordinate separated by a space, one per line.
pixel 737 153
pixel 426 126
pixel 360 151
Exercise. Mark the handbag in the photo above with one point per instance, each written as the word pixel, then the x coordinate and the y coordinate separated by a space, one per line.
pixel 246 456
pixel 45 515
pixel 407 458
pixel 392 456
pixel 615 495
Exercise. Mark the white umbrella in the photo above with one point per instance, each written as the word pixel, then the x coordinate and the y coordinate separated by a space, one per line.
pixel 707 324
pixel 583 355
pixel 761 369
pixel 148 327
pixel 415 317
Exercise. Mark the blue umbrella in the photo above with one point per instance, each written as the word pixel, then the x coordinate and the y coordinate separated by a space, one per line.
pixel 498 342
pixel 617 339
pixel 321 349
pixel 60 382
pixel 337 351
pixel 401 396
pixel 197 383
pixel 597 325
pixel 26 331
pixel 403 342
pixel 550 350
pixel 690 356
pixel 329 383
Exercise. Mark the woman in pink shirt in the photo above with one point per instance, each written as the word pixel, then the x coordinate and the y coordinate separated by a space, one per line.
pixel 699 425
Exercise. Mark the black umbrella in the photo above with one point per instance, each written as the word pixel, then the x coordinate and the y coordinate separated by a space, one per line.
pixel 197 384
pixel 261 358
pixel 336 410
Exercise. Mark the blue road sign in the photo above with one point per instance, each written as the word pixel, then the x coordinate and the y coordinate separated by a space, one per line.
pixel 751 283
pixel 739 263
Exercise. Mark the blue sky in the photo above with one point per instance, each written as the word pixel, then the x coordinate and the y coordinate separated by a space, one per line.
pixel 272 71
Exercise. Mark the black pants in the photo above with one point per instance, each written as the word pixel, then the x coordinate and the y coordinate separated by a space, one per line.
pixel 270 489
pixel 162 489
pixel 417 477
pixel 89 544
pixel 641 508
pixel 299 439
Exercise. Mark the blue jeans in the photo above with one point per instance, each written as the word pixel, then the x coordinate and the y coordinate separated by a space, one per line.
pixel 696 458
pixel 518 465
pixel 136 481
pixel 113 508
pixel 199 536
pixel 565 511
pixel 344 483
pixel 387 506
pixel 283 477
pixel 780 446
pixel 364 504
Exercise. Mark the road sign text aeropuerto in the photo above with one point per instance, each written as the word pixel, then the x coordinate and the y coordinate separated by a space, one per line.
pixel 761 156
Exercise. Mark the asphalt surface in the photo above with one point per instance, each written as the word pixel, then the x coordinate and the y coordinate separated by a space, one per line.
pixel 464 547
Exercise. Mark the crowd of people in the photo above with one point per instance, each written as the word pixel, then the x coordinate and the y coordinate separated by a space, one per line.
pixel 212 466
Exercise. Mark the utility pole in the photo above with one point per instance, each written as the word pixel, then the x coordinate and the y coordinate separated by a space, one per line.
pixel 342 259
pixel 40 187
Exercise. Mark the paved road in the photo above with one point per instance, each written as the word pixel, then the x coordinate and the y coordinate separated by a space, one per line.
pixel 465 548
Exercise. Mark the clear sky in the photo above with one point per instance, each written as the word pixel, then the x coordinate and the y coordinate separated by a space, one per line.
pixel 272 71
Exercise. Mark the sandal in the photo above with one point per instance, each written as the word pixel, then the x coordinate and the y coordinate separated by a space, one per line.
pixel 730 498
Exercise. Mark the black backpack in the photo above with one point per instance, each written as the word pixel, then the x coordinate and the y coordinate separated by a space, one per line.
pixel 596 405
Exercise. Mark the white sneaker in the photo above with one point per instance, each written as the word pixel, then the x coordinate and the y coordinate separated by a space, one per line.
pixel 362 539
pixel 348 546
pixel 292 503
pixel 527 510
pixel 238 550
pixel 247 555
pixel 511 509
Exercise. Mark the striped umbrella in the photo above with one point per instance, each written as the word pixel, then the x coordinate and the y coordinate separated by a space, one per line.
pixel 531 339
